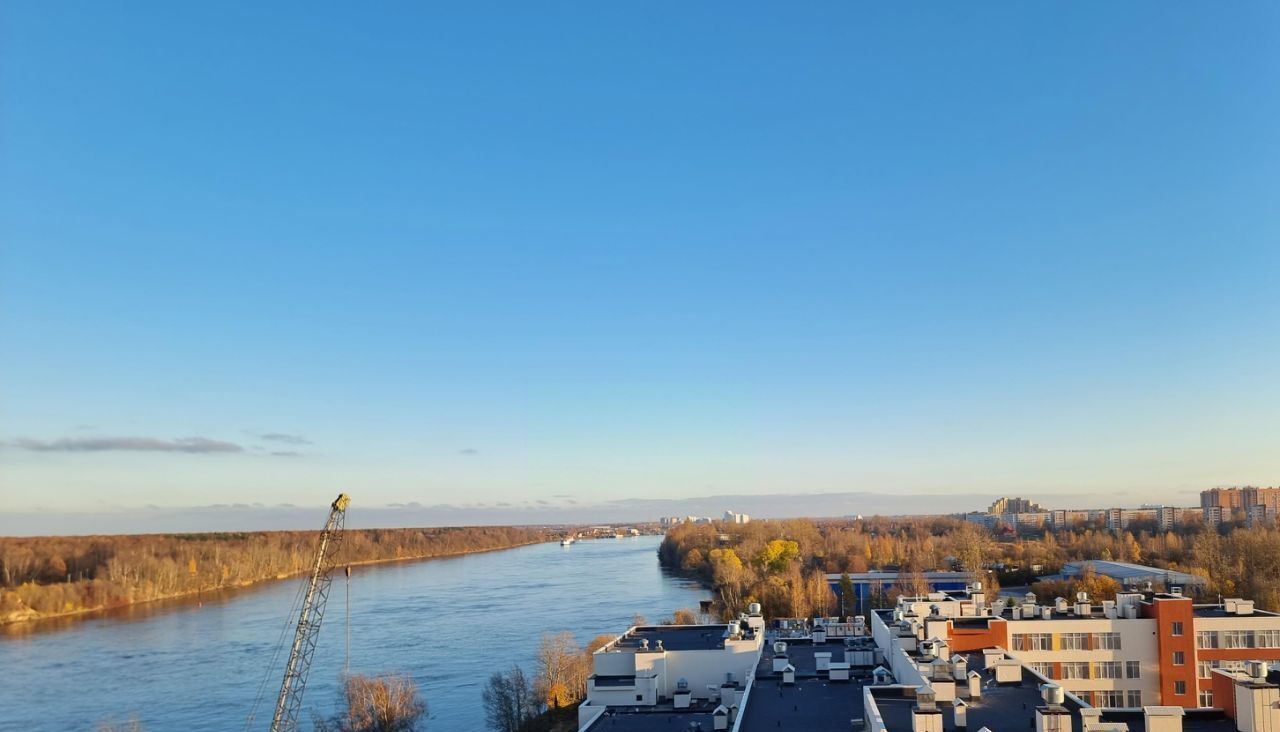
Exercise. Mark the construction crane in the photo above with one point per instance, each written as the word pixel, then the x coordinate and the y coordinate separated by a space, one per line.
pixel 289 704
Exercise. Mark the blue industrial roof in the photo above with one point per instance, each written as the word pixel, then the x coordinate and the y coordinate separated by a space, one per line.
pixel 1125 571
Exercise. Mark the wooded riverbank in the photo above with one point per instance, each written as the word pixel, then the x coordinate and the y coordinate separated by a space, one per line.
pixel 49 577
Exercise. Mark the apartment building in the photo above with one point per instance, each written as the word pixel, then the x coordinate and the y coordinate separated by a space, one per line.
pixel 1258 505
pixel 927 685
pixel 686 670
pixel 1139 649
pixel 942 663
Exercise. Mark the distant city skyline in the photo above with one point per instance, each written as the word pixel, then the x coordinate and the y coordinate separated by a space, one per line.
pixel 576 256
pixel 261 516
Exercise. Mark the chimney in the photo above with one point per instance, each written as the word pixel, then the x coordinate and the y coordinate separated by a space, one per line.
pixel 1060 604
pixel 1163 719
pixel 959 668
pixel 975 685
pixel 1090 718
pixel 1046 612
pixel 926 698
pixel 1053 719
pixel 926 717
pixel 961 711
pixel 789 675
pixel 780 663
pixel 990 656
pixel 1244 607
pixel 720 718
pixel 1229 605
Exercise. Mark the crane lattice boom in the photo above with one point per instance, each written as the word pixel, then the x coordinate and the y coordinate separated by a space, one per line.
pixel 289 705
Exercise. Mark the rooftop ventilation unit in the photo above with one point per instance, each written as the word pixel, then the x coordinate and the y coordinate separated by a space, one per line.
pixel 1052 694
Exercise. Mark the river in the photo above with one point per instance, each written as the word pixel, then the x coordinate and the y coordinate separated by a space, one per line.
pixel 448 623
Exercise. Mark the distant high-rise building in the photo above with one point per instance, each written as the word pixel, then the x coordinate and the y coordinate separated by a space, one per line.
pixel 736 518
pixel 1257 504
pixel 1014 505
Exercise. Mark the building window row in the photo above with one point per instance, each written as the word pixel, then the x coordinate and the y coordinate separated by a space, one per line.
pixel 1238 638
pixel 1204 669
pixel 1113 699
pixel 1086 670
pixel 1106 641
pixel 1066 641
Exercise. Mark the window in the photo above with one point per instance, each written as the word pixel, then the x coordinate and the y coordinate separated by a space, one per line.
pixel 1133 698
pixel 1268 638
pixel 1075 641
pixel 1106 670
pixel 1108 699
pixel 1044 669
pixel 1237 639
pixel 1204 669
pixel 1132 669
pixel 1179 688
pixel 1106 641
pixel 1075 670
pixel 639 697
pixel 1175 628
pixel 1040 642
pixel 1179 658
pixel 1206 698
pixel 1206 639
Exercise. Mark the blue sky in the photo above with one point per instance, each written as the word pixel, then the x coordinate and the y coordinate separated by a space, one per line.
pixel 477 253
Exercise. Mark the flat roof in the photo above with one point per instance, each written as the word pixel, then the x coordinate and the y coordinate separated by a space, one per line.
pixel 1194 720
pixel 640 719
pixel 809 704
pixel 674 637
pixel 801 655
pixel 998 705
pixel 1218 611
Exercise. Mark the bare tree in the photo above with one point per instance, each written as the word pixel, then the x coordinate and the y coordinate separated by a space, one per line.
pixel 562 678
pixel 388 703
pixel 509 700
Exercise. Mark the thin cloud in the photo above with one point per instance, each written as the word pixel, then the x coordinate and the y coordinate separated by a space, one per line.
pixel 286 453
pixel 286 438
pixel 193 445
pixel 468 451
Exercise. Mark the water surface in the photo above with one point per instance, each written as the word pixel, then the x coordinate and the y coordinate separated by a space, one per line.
pixel 448 623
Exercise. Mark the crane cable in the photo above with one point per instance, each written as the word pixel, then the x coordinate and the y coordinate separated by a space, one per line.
pixel 347 666
pixel 275 656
